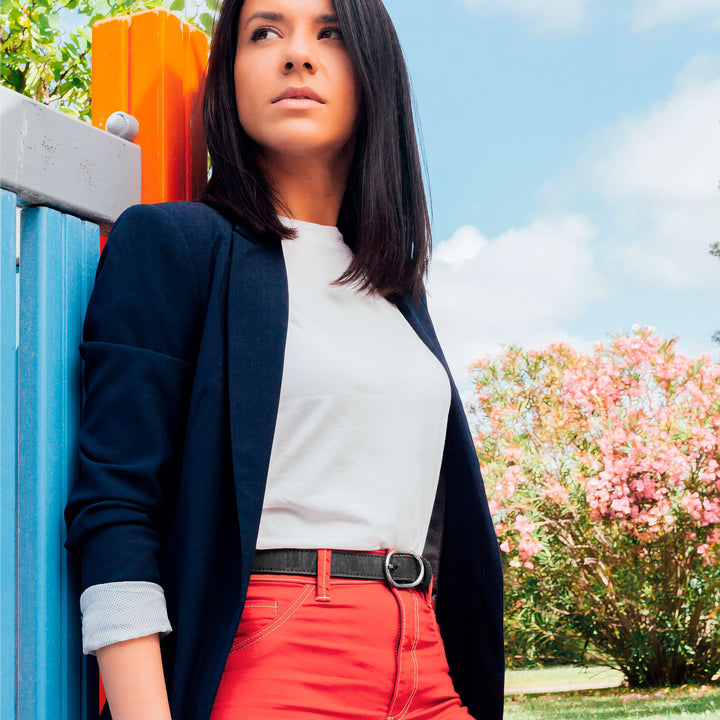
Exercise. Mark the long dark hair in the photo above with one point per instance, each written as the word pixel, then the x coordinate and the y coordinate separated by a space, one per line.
pixel 384 215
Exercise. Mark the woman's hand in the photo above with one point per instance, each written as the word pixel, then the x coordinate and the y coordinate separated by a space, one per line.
pixel 132 675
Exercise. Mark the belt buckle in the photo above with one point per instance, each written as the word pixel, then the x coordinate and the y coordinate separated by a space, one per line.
pixel 402 585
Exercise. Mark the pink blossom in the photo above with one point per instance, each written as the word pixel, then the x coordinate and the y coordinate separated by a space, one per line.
pixel 555 492
pixel 527 548
pixel 512 453
pixel 711 512
pixel 511 479
pixel 524 525
pixel 628 435
pixel 693 505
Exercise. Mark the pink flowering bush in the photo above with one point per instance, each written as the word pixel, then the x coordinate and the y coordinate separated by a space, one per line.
pixel 603 476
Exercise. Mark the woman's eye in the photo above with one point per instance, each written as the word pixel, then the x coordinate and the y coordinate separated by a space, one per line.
pixel 331 33
pixel 263 33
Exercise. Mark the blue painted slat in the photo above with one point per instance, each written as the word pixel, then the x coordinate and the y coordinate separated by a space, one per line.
pixel 53 290
pixel 82 249
pixel 8 453
pixel 90 675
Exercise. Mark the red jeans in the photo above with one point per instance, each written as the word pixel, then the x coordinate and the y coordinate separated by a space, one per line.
pixel 334 648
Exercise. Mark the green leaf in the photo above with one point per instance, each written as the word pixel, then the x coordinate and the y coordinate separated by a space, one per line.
pixel 100 7
pixel 68 111
pixel 206 22
pixel 178 5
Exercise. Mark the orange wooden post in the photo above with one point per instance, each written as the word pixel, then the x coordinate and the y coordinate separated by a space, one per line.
pixel 151 65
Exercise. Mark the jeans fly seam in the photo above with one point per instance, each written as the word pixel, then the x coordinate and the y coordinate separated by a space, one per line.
pixel 401 641
pixel 413 655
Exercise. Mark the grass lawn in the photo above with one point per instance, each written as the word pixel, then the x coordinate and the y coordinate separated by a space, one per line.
pixel 611 703
pixel 559 678
pixel 689 703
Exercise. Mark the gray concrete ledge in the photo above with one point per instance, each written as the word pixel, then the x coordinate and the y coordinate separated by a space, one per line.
pixel 49 158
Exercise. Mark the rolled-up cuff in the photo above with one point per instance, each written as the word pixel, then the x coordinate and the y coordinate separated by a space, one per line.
pixel 117 611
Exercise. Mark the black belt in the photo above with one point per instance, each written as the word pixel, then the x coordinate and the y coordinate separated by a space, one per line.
pixel 399 569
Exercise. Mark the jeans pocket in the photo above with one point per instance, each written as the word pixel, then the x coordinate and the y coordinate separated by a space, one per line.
pixel 262 616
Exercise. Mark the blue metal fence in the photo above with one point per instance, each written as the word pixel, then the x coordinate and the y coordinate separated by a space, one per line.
pixel 58 177
pixel 8 454
pixel 42 668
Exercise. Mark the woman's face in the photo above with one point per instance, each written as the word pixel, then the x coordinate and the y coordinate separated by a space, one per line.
pixel 295 87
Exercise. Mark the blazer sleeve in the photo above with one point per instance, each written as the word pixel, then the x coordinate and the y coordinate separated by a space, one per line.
pixel 139 346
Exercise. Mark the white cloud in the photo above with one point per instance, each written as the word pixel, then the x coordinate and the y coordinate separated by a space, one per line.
pixel 649 14
pixel 649 186
pixel 552 15
pixel 658 177
pixel 465 244
pixel 667 153
pixel 516 288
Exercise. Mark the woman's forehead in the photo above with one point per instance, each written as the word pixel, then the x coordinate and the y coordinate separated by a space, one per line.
pixel 317 10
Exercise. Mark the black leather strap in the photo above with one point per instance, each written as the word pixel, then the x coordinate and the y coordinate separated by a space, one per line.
pixel 403 569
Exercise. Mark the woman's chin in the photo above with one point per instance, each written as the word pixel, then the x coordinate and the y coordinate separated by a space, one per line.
pixel 299 146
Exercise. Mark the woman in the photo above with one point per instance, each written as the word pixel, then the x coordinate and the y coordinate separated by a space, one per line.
pixel 270 436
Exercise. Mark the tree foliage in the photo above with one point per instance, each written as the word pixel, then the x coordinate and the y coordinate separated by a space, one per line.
pixel 46 45
pixel 603 476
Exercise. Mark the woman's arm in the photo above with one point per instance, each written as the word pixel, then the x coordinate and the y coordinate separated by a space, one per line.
pixel 133 678
pixel 139 345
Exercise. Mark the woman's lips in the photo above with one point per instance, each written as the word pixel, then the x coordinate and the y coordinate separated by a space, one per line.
pixel 299 97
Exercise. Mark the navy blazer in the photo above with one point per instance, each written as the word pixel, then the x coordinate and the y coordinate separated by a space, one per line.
pixel 183 350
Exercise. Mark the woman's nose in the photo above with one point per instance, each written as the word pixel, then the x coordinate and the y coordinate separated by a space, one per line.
pixel 307 64
pixel 299 56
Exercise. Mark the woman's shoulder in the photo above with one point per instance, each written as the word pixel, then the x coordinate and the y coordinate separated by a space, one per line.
pixel 195 220
pixel 179 229
pixel 192 212
pixel 201 227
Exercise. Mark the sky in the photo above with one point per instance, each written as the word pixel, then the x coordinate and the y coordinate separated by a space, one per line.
pixel 572 158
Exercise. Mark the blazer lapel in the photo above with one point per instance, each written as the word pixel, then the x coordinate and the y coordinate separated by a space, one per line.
pixel 256 333
pixel 458 430
pixel 419 319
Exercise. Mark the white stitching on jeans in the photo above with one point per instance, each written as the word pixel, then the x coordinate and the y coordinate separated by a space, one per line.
pixel 401 642
pixel 413 655
pixel 277 623
pixel 251 604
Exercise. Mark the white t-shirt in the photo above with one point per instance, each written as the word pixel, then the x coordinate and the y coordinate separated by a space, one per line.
pixel 362 417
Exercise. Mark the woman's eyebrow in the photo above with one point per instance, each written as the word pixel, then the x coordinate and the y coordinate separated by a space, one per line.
pixel 279 17
pixel 272 16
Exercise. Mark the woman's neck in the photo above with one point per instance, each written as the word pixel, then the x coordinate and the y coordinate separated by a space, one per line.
pixel 310 189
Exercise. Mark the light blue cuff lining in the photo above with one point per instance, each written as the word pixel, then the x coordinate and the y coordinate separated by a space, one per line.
pixel 117 611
